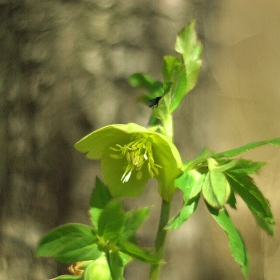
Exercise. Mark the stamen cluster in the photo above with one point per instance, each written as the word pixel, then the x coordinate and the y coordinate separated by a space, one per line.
pixel 137 153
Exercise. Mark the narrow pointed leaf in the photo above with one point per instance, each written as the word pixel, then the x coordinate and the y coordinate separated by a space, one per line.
pixel 191 49
pixel 248 147
pixel 69 243
pixel 232 200
pixel 245 187
pixel 235 241
pixel 133 221
pixel 116 265
pixel 140 254
pixel 99 199
pixel 245 166
pixel 184 214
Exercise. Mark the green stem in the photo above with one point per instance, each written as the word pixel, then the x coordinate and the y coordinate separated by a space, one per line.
pixel 160 238
pixel 168 127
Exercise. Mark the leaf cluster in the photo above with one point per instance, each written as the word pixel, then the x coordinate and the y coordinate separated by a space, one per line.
pixel 218 178
pixel 112 234
pixel 180 74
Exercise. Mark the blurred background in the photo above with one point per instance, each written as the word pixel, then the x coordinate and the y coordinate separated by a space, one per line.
pixel 63 72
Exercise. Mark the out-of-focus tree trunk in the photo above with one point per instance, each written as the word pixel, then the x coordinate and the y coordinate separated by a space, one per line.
pixel 63 66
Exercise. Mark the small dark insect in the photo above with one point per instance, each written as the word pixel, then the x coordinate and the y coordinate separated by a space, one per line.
pixel 153 103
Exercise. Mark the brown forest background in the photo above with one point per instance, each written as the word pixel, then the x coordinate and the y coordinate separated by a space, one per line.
pixel 63 74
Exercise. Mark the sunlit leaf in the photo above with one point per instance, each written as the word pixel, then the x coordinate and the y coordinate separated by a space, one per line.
pixel 133 220
pixel 184 214
pixel 99 199
pixel 245 187
pixel 69 243
pixel 248 147
pixel 138 253
pixel 236 243
pixel 190 183
pixel 111 221
pixel 170 63
pixel 245 166
pixel 190 48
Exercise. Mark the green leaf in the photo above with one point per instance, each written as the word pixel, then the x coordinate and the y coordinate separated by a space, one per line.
pixel 111 221
pixel 153 87
pixel 140 254
pixel 69 243
pixel 236 243
pixel 99 199
pixel 216 190
pixel 133 221
pixel 245 166
pixel 245 187
pixel 125 258
pixel 190 183
pixel 232 200
pixel 186 211
pixel 178 88
pixel 248 147
pixel 186 182
pixel 191 49
pixel 116 265
pixel 170 63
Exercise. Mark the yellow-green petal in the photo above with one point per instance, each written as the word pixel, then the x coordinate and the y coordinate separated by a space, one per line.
pixel 130 155
pixel 167 155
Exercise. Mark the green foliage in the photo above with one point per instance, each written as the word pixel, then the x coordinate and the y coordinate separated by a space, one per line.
pixel 190 183
pixel 69 243
pixel 99 199
pixel 248 147
pixel 130 155
pixel 111 234
pixel 235 241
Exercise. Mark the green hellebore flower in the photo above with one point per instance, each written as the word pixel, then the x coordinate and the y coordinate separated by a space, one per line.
pixel 130 155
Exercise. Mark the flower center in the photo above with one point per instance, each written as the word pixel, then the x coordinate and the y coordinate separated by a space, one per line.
pixel 137 153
